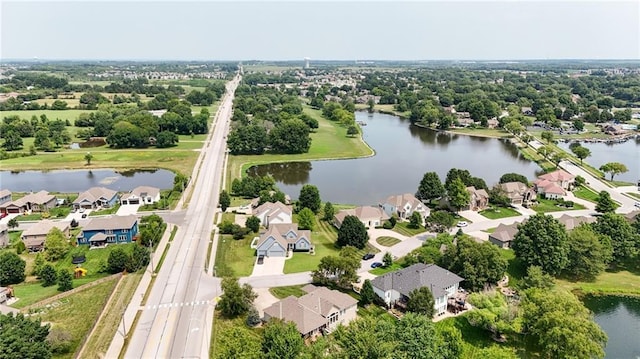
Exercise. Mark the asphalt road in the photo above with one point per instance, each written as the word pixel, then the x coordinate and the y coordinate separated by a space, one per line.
pixel 176 321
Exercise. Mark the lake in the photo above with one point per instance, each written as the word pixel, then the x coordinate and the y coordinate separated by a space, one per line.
pixel 627 153
pixel 403 154
pixel 81 180
pixel 619 317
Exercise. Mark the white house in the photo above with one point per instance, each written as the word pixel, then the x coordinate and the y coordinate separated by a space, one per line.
pixel 141 195
pixel 394 287
pixel 279 239
pixel 404 205
pixel 319 311
pixel 273 213
pixel 370 216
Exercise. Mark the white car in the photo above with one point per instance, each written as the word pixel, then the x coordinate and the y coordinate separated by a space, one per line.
pixel 462 224
pixel 637 204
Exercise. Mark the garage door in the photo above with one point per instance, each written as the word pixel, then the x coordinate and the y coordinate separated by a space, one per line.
pixel 13 210
pixel 134 201
pixel 276 252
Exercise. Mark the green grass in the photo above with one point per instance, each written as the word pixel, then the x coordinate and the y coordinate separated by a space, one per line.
pixel 14 236
pixel 587 194
pixel 403 228
pixel 384 270
pixel 78 312
pixel 106 211
pixel 330 141
pixel 33 292
pixel 549 205
pixel 29 217
pixel 610 282
pixel 52 115
pixel 234 257
pixel 516 270
pixel 387 241
pixel 481 132
pixel 283 292
pixel 499 212
pixel 632 194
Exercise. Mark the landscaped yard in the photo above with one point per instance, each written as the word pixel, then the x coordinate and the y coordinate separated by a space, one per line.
pixel 516 270
pixel 499 212
pixel 384 270
pixel 585 193
pixel 387 241
pixel 548 205
pixel 403 228
pixel 283 292
pixel 106 211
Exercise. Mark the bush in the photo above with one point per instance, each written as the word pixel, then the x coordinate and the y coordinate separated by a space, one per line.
pixel 48 275
pixel 568 204
pixel 226 227
pixel 20 247
pixel 59 340
pixel 387 225
pixel 117 261
pixel 239 232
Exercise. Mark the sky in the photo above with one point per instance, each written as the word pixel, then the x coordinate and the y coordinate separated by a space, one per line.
pixel 321 30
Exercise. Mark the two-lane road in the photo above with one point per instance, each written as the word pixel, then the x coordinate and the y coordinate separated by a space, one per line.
pixel 174 322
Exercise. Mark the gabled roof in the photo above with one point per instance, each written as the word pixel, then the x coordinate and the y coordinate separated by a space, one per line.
pixel 399 201
pixel 42 228
pixel 98 237
pixel 273 209
pixel 4 193
pixel 477 192
pixel 573 222
pixel 558 175
pixel 41 197
pixel 417 276
pixel 554 189
pixel 361 213
pixel 279 232
pixel 505 232
pixel 110 223
pixel 142 191
pixel 514 188
pixel 93 194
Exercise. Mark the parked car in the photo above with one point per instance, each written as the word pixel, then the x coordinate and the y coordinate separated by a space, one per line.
pixel 637 204
pixel 367 256
pixel 462 224
pixel 81 210
pixel 261 259
pixel 376 264
pixel 2 215
pixel 84 215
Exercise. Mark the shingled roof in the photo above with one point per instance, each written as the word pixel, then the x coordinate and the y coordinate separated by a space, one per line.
pixel 417 276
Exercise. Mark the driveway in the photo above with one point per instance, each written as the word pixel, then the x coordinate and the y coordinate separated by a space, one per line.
pixel 241 219
pixel 473 216
pixel 127 209
pixel 270 266
pixel 264 300
pixel 77 215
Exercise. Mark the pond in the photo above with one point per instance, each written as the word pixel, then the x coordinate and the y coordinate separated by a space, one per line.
pixel 627 153
pixel 81 180
pixel 403 154
pixel 619 317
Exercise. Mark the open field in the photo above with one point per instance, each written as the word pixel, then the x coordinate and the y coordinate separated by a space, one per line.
pixel 499 212
pixel 52 115
pixel 330 141
pixel 620 282
pixel 234 258
pixel 283 292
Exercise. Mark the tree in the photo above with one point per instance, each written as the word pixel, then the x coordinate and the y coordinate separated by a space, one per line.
pixel 340 270
pixel 458 195
pixel 605 203
pixel 41 140
pixel 430 187
pixel 439 221
pixel 56 245
pixel 417 338
pixel 253 223
pixel 12 140
pixel 421 301
pixel 492 313
pixel 624 240
pixel 88 157
pixel 237 342
pixel 367 295
pixel 477 263
pixel 117 260
pixel 547 136
pixel 60 340
pixel 22 337
pixel 370 337
pixel 581 152
pixel 309 198
pixel 352 232
pixel 371 104
pixel 166 139
pixel 352 131
pixel 13 223
pixel 589 253
pixel 613 168
pixel 139 258
pixel 542 241
pixel 513 177
pixel 225 200
pixel 127 135
pixel 328 211
pixel 290 136
pixel 235 300
pixel 11 269
pixel 387 259
pixel 65 280
pixel 48 275
pixel 250 140
pixel 415 221
pixel 536 278
pixel 306 219
pixel 281 340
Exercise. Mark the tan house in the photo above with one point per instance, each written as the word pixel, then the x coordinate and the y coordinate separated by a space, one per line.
pixel 5 196
pixel 403 205
pixel 273 213
pixel 96 197
pixel 141 195
pixel 370 216
pixel 319 311
pixel 573 222
pixel 36 202
pixel 280 239
pixel 518 192
pixel 479 199
pixel 35 235
pixel 503 235
pixel 561 178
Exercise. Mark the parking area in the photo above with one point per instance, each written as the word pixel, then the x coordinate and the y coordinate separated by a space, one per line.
pixel 270 266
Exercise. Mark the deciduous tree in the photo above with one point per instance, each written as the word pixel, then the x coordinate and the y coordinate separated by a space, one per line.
pixel 329 212
pixel 421 301
pixel 542 241
pixel 48 275
pixel 11 269
pixel 225 200
pixel 56 245
pixel 253 223
pixel 458 195
pixel 613 168
pixel 589 253
pixel 488 264
pixel 21 337
pixel 367 295
pixel 605 203
pixel 281 340
pixel 306 219
pixel 624 240
pixel 235 300
pixel 309 198
pixel 64 280
pixel 352 232
pixel 430 187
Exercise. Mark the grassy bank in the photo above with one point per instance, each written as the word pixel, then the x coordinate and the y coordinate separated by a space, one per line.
pixel 403 228
pixel 330 141
pixel 481 132
pixel 615 283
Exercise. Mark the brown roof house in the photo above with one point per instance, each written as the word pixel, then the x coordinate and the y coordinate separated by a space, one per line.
pixel 5 196
pixel 36 202
pixel 479 199
pixel 404 205
pixel 35 235
pixel 573 222
pixel 518 192
pixel 554 184
pixel 319 311
pixel 503 235
pixel 273 213
pixel 370 216
pixel 96 197
pixel 280 239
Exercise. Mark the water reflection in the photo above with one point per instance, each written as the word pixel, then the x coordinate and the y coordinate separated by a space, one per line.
pixel 289 173
pixel 619 317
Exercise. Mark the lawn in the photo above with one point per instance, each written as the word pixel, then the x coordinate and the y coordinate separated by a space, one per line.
pixel 387 241
pixel 403 228
pixel 516 270
pixel 585 193
pixel 621 282
pixel 106 211
pixel 222 324
pixel 481 132
pixel 549 205
pixel 77 313
pixel 32 292
pixel 383 270
pixel 98 343
pixel 14 236
pixel 632 194
pixel 234 258
pixel 283 292
pixel 52 115
pixel 329 141
pixel 500 212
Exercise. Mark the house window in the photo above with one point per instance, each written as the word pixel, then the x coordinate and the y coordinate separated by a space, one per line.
pixel 122 238
pixel 123 231
pixel 109 231
pixel 111 239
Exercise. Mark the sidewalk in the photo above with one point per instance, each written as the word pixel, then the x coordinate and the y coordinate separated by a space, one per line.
pixel 136 301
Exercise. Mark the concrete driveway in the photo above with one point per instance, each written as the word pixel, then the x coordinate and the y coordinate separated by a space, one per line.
pixel 473 216
pixel 271 266
pixel 127 209
pixel 241 219
pixel 264 300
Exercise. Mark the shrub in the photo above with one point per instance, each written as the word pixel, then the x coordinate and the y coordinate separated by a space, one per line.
pixel 20 247
pixel 59 340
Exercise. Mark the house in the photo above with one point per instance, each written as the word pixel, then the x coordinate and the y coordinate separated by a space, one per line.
pixel 614 130
pixel 562 178
pixel 4 295
pixel 527 111
pixel 280 239
pixel 273 213
pixel 518 192
pixel 404 205
pixel 4 235
pixel 573 222
pixel 503 235
pixel 479 199
pixel 5 196
pixel 108 230
pixel 370 216
pixel 96 197
pixel 493 123
pixel 394 287
pixel 141 195
pixel 34 236
pixel 36 202
pixel 319 311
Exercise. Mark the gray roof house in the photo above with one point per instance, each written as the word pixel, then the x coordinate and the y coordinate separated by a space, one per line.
pixel 394 287
pixel 279 239
pixel 573 222
pixel 503 235
pixel 34 236
pixel 518 192
pixel 96 197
